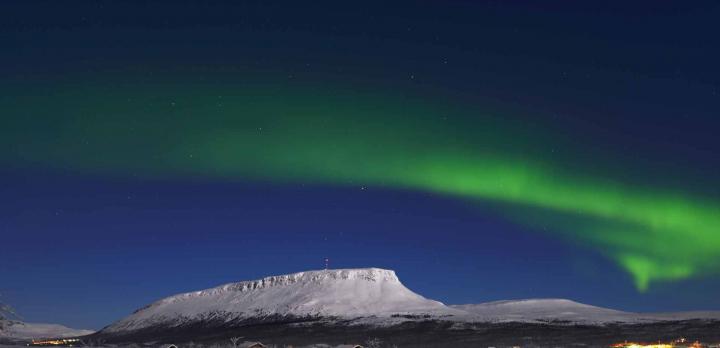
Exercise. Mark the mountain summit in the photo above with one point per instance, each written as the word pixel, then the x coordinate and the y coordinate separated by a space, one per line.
pixel 339 293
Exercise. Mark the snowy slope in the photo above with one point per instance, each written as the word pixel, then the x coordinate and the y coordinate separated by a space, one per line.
pixel 533 310
pixel 346 293
pixel 20 330
pixel 544 309
pixel 713 315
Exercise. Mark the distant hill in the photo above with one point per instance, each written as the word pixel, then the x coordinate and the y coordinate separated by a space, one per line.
pixel 18 330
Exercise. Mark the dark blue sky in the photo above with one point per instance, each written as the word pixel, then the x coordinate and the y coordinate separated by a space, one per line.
pixel 638 84
pixel 86 251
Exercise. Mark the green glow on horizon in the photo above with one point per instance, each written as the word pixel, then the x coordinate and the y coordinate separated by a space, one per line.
pixel 356 139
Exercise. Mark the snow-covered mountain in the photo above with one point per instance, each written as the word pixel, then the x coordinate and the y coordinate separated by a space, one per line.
pixel 369 297
pixel 342 293
pixel 350 305
pixel 12 329
pixel 545 310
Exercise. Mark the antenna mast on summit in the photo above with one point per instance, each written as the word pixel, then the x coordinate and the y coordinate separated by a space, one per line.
pixel 327 263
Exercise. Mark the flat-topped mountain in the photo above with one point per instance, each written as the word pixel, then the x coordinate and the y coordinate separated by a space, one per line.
pixel 341 293
pixel 350 305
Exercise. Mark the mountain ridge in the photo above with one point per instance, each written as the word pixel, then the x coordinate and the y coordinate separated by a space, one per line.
pixel 364 296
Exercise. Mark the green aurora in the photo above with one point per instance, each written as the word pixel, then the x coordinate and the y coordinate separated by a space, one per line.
pixel 348 138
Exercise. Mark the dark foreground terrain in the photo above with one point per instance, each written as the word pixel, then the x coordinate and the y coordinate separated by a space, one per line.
pixel 300 332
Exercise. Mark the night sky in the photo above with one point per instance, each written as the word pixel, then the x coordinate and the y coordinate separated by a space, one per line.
pixel 482 150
